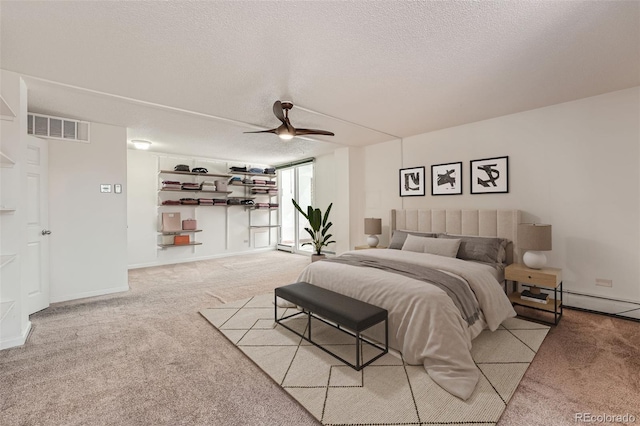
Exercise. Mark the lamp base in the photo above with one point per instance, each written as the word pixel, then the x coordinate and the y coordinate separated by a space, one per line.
pixel 372 241
pixel 534 259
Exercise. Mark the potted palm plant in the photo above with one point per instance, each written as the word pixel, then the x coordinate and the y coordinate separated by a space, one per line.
pixel 319 227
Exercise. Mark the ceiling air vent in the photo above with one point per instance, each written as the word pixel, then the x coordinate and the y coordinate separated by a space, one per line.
pixel 47 126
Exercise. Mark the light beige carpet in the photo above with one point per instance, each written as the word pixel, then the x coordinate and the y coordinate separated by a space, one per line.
pixel 388 392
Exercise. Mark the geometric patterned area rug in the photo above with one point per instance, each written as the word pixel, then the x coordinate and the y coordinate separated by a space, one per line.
pixel 388 391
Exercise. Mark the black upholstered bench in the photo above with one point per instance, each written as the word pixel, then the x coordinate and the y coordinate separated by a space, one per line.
pixel 345 313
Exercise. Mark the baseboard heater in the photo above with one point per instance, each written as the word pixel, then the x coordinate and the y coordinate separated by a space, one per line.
pixel 283 247
pixel 622 310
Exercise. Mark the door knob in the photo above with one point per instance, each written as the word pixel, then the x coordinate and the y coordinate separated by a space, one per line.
pixel 46 232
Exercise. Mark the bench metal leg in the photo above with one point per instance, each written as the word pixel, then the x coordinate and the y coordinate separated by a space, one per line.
pixel 359 339
pixel 275 307
pixel 357 351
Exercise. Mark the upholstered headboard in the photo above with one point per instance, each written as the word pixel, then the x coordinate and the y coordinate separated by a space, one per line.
pixel 484 223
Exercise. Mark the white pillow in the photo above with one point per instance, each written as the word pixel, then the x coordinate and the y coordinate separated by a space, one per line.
pixel 439 246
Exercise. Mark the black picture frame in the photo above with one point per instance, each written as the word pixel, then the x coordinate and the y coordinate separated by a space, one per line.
pixel 446 179
pixel 412 182
pixel 489 175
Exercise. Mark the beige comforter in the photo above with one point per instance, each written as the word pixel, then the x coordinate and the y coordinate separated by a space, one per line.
pixel 424 323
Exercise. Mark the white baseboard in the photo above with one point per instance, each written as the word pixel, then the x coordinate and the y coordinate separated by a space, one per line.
pixel 605 305
pixel 67 297
pixel 195 259
pixel 16 341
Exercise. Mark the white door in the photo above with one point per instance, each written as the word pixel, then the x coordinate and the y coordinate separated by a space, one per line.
pixel 37 254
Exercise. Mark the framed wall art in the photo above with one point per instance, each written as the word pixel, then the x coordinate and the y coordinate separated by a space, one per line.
pixel 446 179
pixel 490 175
pixel 412 181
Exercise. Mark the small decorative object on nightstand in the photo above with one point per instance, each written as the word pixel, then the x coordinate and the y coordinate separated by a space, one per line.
pixel 536 280
pixel 373 227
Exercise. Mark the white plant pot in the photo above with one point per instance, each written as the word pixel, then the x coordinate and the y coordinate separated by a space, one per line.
pixel 315 257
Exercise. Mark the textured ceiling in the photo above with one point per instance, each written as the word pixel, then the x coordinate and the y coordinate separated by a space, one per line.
pixel 364 70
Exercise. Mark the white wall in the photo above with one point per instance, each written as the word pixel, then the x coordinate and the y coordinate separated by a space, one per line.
pixel 14 320
pixel 382 163
pixel 225 230
pixel 574 165
pixel 340 180
pixel 89 228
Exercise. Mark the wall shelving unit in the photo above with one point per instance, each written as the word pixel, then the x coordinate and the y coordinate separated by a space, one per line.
pixel 235 194
pixel 250 193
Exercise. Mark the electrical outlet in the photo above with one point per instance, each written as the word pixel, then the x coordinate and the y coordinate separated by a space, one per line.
pixel 604 283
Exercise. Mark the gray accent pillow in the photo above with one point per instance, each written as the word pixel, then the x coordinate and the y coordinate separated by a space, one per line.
pixel 481 249
pixel 440 246
pixel 399 236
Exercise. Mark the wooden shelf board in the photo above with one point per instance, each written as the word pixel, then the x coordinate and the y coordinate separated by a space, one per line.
pixel 253 174
pixel 7 210
pixel 173 172
pixel 179 232
pixel 252 185
pixel 553 303
pixel 193 243
pixel 192 205
pixel 195 190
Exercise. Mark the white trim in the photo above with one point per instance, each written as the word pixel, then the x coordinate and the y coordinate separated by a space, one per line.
pixel 195 259
pixel 16 341
pixel 74 296
pixel 604 298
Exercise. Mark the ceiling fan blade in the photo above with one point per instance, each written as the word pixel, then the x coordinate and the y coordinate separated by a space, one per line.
pixel 278 111
pixel 263 131
pixel 313 132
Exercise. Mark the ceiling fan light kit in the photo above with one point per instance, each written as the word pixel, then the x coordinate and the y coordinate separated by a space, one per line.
pixel 286 131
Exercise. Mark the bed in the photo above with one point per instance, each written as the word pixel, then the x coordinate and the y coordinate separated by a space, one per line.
pixel 429 324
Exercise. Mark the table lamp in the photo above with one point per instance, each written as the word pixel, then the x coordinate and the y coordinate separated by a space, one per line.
pixel 535 238
pixel 373 227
